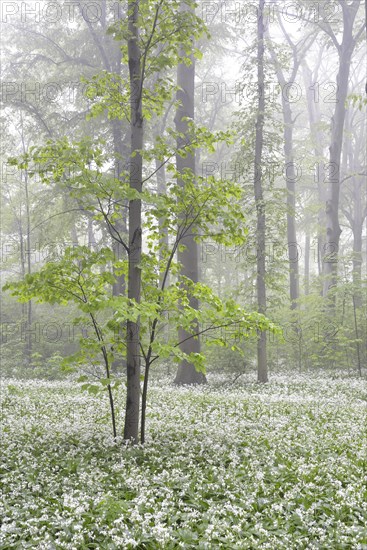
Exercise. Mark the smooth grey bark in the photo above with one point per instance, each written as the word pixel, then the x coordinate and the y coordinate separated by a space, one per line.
pixel 131 428
pixel 262 367
pixel 189 258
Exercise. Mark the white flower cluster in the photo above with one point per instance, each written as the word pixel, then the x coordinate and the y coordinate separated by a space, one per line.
pixel 278 466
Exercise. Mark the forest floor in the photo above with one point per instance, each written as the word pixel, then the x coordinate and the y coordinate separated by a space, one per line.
pixel 247 466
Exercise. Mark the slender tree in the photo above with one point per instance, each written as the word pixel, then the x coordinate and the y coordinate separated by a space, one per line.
pixel 135 227
pixel 262 367
pixel 311 78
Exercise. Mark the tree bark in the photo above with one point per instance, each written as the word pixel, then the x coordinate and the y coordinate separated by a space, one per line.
pixel 262 367
pixel 135 229
pixel 189 258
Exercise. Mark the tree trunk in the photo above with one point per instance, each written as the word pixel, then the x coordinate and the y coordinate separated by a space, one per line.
pixel 291 176
pixel 333 230
pixel 28 348
pixel 357 263
pixel 189 258
pixel 119 287
pixel 92 243
pixel 28 342
pixel 119 149
pixel 162 190
pixel 135 229
pixel 356 221
pixel 291 205
pixel 262 367
pixel 307 264
pixel 26 312
pixel 74 234
pixel 314 116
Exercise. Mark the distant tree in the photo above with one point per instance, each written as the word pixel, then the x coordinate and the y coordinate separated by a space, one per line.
pixel 298 52
pixel 345 49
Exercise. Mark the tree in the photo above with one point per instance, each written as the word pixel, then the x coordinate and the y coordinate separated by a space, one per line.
pixel 135 227
pixel 298 52
pixel 262 368
pixel 188 253
pixel 318 138
pixel 353 196
pixel 345 50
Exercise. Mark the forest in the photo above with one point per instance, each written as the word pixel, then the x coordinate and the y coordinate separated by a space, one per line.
pixel 184 274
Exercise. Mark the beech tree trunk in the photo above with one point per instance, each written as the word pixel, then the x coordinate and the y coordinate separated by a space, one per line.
pixel 291 207
pixel 189 258
pixel 26 263
pixel 162 190
pixel 317 136
pixel 120 152
pixel 121 149
pixel 92 244
pixel 357 261
pixel 135 229
pixel 28 340
pixel 307 264
pixel 357 211
pixel 262 367
pixel 290 176
pixel 333 230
